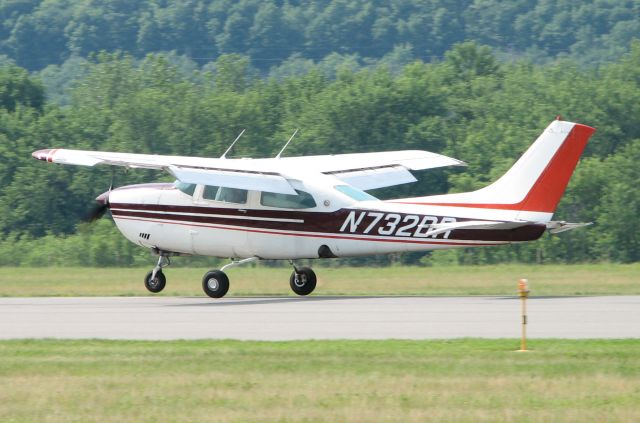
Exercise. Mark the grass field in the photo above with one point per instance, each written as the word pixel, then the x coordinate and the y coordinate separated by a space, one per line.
pixel 591 279
pixel 361 381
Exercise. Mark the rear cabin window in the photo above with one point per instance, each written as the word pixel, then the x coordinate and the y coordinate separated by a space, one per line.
pixel 185 187
pixel 225 194
pixel 303 200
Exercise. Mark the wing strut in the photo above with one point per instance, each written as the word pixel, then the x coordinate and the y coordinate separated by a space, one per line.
pixel 224 156
pixel 287 144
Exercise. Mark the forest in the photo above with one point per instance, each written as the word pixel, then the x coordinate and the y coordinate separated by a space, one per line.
pixel 126 76
pixel 39 33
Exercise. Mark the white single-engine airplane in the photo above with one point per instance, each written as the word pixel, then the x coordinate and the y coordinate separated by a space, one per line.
pixel 316 206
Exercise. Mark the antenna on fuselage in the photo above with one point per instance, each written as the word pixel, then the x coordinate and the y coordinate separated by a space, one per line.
pixel 287 144
pixel 224 156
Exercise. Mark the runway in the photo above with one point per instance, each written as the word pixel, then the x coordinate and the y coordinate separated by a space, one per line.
pixel 317 317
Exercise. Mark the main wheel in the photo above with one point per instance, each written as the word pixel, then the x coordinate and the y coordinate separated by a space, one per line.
pixel 156 284
pixel 303 282
pixel 215 283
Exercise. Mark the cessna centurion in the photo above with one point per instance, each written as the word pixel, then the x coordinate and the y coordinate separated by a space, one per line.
pixel 317 206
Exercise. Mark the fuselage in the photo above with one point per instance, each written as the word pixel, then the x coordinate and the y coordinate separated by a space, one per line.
pixel 331 223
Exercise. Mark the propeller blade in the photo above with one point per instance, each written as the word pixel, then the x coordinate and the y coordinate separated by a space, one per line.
pixel 96 212
pixel 100 208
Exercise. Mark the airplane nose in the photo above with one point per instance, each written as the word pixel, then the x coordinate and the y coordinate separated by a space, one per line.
pixel 103 198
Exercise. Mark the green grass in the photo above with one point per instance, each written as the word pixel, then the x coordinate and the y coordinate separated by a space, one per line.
pixel 461 380
pixel 589 279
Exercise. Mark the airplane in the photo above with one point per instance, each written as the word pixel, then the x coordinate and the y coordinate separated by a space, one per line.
pixel 310 207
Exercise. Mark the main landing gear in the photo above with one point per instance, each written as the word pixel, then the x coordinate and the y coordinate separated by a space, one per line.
pixel 215 283
pixel 302 280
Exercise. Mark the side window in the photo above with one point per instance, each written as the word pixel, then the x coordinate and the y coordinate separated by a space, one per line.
pixel 225 194
pixel 232 195
pixel 303 200
pixel 209 192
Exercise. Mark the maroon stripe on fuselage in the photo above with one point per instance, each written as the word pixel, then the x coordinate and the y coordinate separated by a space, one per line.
pixel 317 222
pixel 312 235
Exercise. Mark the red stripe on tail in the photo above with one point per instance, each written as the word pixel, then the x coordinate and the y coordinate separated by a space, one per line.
pixel 550 186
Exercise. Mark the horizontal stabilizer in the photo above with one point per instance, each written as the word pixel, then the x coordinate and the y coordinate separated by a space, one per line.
pixel 556 227
pixel 438 228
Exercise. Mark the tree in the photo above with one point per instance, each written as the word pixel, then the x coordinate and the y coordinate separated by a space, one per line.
pixel 17 88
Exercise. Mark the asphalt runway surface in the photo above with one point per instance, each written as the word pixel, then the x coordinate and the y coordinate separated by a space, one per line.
pixel 317 317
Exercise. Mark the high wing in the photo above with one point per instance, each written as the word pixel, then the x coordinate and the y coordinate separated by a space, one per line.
pixel 365 170
pixel 374 170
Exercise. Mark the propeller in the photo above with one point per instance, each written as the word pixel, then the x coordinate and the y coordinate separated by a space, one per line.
pixel 96 212
pixel 101 207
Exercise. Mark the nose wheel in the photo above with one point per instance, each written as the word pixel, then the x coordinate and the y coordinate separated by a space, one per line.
pixel 303 280
pixel 155 281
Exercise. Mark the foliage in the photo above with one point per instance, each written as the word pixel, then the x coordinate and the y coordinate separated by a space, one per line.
pixel 40 33
pixel 16 88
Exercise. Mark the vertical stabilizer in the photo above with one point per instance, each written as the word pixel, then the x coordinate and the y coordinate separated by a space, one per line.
pixel 536 182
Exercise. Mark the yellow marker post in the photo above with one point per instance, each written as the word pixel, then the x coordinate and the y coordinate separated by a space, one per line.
pixel 523 291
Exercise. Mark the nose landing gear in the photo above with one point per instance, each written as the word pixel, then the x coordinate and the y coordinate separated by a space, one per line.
pixel 155 281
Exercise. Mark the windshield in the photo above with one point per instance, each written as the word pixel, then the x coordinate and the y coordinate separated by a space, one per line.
pixel 355 193
pixel 185 187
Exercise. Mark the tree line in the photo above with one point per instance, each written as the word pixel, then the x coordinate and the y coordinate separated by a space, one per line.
pixel 37 33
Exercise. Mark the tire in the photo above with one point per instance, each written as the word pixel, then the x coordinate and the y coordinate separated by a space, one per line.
pixel 157 284
pixel 303 282
pixel 215 283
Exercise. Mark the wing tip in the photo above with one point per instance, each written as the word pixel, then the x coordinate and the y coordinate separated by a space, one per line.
pixel 45 155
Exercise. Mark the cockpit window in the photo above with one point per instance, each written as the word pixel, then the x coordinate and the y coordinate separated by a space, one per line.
pixel 303 200
pixel 185 187
pixel 225 194
pixel 355 193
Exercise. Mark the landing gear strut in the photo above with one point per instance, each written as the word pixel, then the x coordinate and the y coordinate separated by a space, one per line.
pixel 155 281
pixel 302 280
